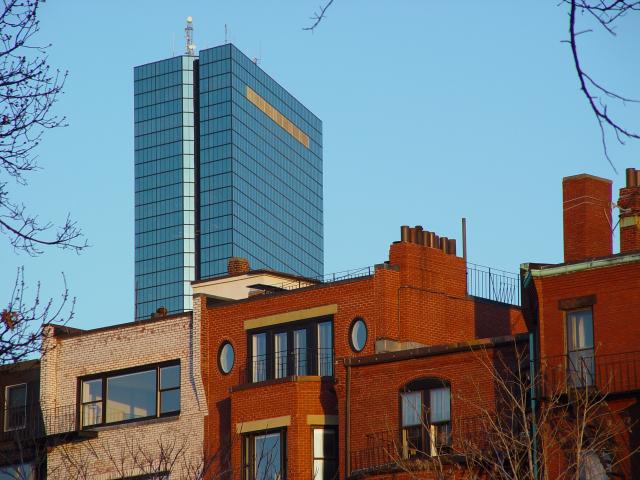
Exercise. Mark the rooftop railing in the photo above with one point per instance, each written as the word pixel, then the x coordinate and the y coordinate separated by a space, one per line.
pixel 493 284
pixel 321 279
pixel 484 282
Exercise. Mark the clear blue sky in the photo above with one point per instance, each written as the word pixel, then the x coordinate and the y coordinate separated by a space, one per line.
pixel 432 111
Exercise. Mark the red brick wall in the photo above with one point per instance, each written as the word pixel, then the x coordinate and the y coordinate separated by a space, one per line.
pixel 420 297
pixel 629 204
pixel 616 339
pixel 586 217
pixel 375 396
pixel 615 313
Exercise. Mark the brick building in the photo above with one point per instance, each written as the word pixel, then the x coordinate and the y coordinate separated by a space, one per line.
pixel 300 376
pixel 20 448
pixel 584 312
pixel 392 371
pixel 133 395
pixel 320 379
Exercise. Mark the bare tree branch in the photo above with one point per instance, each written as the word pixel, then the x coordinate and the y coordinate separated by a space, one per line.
pixel 605 14
pixel 319 15
pixel 23 320
pixel 29 89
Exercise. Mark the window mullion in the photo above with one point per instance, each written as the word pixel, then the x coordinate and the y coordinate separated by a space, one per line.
pixel 158 391
pixel 104 400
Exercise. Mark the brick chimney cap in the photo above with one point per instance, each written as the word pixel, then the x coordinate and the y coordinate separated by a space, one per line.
pixel 580 176
pixel 238 265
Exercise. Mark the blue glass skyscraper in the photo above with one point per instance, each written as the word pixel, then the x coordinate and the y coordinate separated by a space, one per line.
pixel 227 163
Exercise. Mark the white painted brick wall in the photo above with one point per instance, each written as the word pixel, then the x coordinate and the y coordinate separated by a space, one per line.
pixel 129 449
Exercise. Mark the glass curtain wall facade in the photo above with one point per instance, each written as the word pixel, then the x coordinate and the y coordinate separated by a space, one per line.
pixel 227 164
pixel 164 185
pixel 260 170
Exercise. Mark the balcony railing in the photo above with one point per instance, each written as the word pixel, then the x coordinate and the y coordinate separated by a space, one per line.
pixel 298 361
pixel 493 284
pixel 31 423
pixel 385 450
pixel 609 373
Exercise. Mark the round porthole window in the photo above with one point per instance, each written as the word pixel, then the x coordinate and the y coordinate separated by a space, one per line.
pixel 358 334
pixel 226 358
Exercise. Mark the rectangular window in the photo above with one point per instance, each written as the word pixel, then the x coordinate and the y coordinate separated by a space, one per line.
pixel 325 454
pixel 15 407
pixel 580 352
pixel 300 349
pixel 411 424
pixel 259 355
pixel 280 350
pixel 325 349
pixel 426 421
pixel 147 392
pixel 264 456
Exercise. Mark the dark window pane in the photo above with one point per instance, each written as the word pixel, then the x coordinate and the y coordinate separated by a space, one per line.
pixel 170 401
pixel 17 396
pixel 15 415
pixel 170 377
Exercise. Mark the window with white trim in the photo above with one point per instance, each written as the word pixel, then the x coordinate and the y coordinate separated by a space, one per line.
pixel 425 407
pixel 15 407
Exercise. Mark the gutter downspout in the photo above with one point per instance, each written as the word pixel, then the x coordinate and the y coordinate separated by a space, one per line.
pixel 347 432
pixel 533 384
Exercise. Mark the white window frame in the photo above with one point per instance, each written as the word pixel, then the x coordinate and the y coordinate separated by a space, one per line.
pixel 6 407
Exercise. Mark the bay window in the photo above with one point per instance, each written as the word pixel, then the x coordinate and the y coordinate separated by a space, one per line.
pixel 303 348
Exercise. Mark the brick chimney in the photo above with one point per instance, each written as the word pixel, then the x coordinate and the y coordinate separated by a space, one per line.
pixel 586 208
pixel 629 204
pixel 237 265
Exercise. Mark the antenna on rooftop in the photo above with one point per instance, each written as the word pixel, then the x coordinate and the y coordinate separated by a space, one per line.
pixel 188 33
pixel 257 59
pixel 225 34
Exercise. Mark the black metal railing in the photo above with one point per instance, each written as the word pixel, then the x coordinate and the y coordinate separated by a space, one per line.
pixel 31 422
pixel 609 373
pixel 493 284
pixel 321 279
pixel 297 361
pixel 385 450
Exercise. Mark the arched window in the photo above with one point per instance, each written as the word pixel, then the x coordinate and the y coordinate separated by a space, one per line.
pixel 425 409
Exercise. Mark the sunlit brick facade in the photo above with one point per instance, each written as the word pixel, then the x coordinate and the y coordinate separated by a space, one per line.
pixel 421 323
